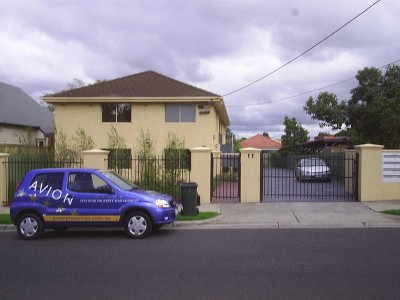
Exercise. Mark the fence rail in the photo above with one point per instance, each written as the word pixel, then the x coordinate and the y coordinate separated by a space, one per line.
pixel 280 182
pixel 18 166
pixel 158 173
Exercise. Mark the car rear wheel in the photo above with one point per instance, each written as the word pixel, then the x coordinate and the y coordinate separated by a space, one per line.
pixel 30 227
pixel 138 225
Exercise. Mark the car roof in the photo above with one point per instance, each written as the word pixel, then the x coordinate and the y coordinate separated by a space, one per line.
pixel 57 170
pixel 311 158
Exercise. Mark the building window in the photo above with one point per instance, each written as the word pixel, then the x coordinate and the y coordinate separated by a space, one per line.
pixel 180 112
pixel 116 112
pixel 40 142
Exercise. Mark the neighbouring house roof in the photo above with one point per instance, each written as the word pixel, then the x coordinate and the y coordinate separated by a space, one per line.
pixel 323 143
pixel 18 108
pixel 260 141
pixel 147 86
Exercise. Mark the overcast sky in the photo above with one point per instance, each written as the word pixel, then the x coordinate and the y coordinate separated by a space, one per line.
pixel 219 46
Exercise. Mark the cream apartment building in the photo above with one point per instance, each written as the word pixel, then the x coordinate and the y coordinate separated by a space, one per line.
pixel 148 102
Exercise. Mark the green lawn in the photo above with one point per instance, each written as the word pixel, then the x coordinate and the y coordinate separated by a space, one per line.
pixel 395 212
pixel 5 219
pixel 203 215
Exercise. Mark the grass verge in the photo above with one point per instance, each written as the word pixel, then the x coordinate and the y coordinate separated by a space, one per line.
pixel 5 219
pixel 203 215
pixel 394 212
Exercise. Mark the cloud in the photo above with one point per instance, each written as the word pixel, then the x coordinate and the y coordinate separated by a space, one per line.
pixel 216 45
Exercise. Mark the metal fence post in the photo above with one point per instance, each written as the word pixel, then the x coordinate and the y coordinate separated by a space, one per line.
pixel 3 178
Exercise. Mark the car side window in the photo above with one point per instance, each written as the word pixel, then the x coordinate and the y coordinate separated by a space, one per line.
pixel 53 180
pixel 86 183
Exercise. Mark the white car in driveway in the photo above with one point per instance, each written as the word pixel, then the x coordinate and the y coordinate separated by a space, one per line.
pixel 312 168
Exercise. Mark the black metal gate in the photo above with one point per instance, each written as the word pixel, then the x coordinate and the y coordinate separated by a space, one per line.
pixel 318 177
pixel 225 177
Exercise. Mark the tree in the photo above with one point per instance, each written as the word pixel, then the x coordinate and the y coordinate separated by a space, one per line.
pixel 63 150
pixel 119 157
pixel 145 144
pixel 71 148
pixel 115 140
pixel 231 139
pixel 327 109
pixel 44 104
pixel 81 142
pixel 27 138
pixel 294 133
pixel 236 144
pixel 75 84
pixel 371 115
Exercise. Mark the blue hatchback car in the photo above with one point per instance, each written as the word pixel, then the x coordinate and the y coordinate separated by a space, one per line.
pixel 62 198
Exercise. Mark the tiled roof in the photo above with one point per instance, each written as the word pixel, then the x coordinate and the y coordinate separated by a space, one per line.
pixel 260 141
pixel 146 84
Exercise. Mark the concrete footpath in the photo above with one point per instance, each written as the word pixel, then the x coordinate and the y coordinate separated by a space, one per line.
pixel 290 215
pixel 299 215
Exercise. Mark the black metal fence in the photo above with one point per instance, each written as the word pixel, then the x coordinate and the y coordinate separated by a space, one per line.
pixel 225 177
pixel 281 182
pixel 159 173
pixel 19 164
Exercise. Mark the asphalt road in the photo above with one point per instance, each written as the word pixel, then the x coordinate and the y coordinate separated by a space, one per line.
pixel 204 264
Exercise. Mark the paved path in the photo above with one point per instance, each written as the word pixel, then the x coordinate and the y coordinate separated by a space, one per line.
pixel 291 215
pixel 299 215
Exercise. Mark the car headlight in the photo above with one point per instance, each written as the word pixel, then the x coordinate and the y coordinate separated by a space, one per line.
pixel 161 203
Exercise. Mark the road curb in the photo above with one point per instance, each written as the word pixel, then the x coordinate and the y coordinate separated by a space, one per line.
pixel 7 227
pixel 197 223
pixel 277 225
pixel 188 225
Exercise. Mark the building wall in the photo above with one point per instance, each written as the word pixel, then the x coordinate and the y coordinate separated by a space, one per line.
pixel 16 135
pixel 148 117
pixel 372 186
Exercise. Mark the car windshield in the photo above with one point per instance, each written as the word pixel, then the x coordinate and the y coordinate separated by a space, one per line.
pixel 313 162
pixel 121 182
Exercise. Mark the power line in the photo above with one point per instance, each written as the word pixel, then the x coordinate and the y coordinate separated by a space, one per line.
pixel 303 53
pixel 290 97
pixel 308 92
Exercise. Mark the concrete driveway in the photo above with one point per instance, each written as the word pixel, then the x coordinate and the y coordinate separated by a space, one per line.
pixel 281 185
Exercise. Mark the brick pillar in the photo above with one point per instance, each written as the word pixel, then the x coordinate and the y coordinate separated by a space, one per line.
pixel 201 172
pixel 96 159
pixel 369 171
pixel 250 189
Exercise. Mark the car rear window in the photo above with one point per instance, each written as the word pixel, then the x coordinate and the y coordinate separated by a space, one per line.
pixel 53 180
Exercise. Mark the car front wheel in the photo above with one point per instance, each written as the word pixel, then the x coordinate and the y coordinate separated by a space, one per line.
pixel 138 225
pixel 30 227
